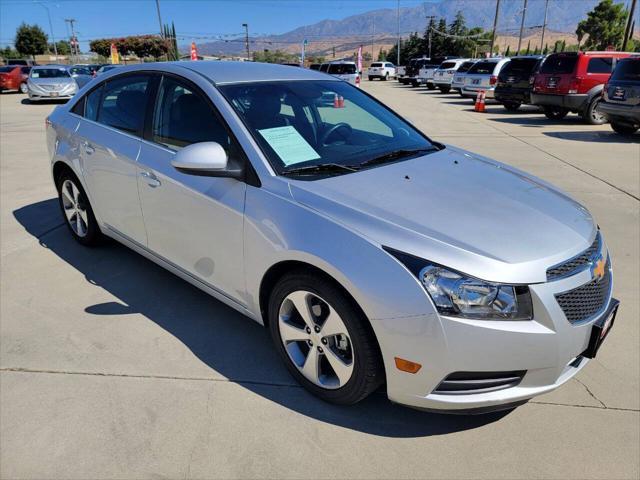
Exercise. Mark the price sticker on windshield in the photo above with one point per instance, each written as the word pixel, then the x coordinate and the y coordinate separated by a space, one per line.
pixel 290 146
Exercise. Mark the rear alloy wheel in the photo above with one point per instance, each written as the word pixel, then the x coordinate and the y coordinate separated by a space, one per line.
pixel 555 113
pixel 323 339
pixel 624 128
pixel 593 116
pixel 24 88
pixel 386 76
pixel 511 106
pixel 77 211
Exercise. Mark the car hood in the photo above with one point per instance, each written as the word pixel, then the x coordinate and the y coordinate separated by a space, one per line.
pixel 460 210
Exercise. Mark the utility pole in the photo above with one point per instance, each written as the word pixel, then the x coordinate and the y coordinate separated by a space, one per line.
pixel 495 25
pixel 544 24
pixel 524 12
pixel 246 39
pixel 429 18
pixel 398 22
pixel 53 39
pixel 71 21
pixel 159 17
pixel 628 31
pixel 373 35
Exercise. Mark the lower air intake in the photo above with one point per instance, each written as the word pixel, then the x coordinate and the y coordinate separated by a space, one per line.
pixel 470 383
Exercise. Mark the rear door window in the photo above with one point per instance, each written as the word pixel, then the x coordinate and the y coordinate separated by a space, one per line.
pixel 519 67
pixel 123 103
pixel 465 67
pixel 342 68
pixel 600 65
pixel 447 65
pixel 376 64
pixel 559 64
pixel 92 103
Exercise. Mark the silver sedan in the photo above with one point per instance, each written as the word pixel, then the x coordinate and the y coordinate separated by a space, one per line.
pixel 373 254
pixel 52 82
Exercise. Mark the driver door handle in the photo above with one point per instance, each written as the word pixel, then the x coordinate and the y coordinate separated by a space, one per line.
pixel 150 178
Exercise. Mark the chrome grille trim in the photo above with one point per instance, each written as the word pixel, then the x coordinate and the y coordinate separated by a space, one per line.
pixel 469 383
pixel 576 264
pixel 588 301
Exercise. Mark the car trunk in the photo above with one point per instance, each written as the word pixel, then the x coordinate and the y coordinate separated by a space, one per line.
pixel 557 75
pixel 481 75
pixel 517 74
pixel 624 86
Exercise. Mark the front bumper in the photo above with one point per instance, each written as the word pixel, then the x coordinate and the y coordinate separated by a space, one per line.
pixel 621 113
pixel 573 102
pixel 548 349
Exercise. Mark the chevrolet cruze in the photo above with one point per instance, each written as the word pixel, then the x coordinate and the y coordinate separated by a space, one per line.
pixel 373 254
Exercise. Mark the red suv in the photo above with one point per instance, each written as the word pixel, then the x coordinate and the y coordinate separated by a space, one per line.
pixel 573 82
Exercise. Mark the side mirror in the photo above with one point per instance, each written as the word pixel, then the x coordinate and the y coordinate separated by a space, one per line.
pixel 205 159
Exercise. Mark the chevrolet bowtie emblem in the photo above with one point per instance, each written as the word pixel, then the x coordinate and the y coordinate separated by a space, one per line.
pixel 598 268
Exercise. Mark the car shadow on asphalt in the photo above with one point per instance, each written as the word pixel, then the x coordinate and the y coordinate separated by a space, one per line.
pixel 229 343
pixel 596 136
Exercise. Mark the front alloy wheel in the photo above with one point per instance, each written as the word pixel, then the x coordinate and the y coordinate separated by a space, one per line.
pixel 77 211
pixel 316 339
pixel 24 88
pixel 324 339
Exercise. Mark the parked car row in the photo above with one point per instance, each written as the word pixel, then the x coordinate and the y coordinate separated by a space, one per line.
pixel 598 86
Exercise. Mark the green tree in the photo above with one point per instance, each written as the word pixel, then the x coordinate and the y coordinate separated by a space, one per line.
pixel 63 47
pixel 528 48
pixel 30 40
pixel 546 49
pixel 508 52
pixel 382 55
pixel 564 45
pixel 8 52
pixel 604 26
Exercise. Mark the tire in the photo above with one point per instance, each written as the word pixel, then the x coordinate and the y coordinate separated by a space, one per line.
pixel 431 86
pixel 555 113
pixel 624 128
pixel 24 88
pixel 414 83
pixel 386 76
pixel 445 89
pixel 370 78
pixel 592 116
pixel 462 94
pixel 84 230
pixel 511 106
pixel 359 347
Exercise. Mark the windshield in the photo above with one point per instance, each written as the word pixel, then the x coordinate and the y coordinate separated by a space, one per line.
pixel 342 68
pixel 483 68
pixel 310 123
pixel 447 65
pixel 559 64
pixel 627 71
pixel 519 66
pixel 324 67
pixel 374 64
pixel 49 73
pixel 79 71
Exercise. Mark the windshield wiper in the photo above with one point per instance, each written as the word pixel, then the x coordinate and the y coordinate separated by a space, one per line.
pixel 321 168
pixel 397 154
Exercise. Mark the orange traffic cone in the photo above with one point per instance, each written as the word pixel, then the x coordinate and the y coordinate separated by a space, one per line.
pixel 479 106
pixel 341 101
pixel 336 101
pixel 358 81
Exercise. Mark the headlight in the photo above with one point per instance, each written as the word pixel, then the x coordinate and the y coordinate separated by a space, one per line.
pixel 459 295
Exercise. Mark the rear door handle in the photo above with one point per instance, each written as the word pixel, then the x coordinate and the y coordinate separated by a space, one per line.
pixel 88 148
pixel 150 178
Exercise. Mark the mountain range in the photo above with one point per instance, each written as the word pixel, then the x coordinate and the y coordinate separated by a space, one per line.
pixel 562 16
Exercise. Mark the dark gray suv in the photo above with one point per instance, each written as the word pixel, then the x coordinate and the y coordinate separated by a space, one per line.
pixel 621 96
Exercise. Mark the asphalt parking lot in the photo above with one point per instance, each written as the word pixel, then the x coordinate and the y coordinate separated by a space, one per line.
pixel 111 367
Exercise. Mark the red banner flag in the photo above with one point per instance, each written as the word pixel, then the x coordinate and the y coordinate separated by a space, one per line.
pixel 194 51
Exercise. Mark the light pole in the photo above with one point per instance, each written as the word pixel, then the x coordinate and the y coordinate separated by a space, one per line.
pixel 398 21
pixel 430 18
pixel 544 25
pixel 495 25
pixel 524 12
pixel 159 17
pixel 246 39
pixel 71 21
pixel 53 38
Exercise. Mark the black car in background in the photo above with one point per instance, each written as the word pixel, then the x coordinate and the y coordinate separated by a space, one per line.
pixel 621 96
pixel 515 81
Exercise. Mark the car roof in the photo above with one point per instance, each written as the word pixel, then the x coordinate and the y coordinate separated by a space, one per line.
pixel 50 65
pixel 221 72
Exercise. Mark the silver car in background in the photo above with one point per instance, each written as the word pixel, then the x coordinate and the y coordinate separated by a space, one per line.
pixel 51 82
pixel 483 75
pixel 457 82
pixel 443 75
pixel 373 254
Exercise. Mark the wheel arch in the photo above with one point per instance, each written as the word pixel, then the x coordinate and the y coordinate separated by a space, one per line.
pixel 60 167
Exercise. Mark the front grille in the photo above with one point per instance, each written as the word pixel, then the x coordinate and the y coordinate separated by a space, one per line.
pixel 585 302
pixel 576 264
pixel 467 383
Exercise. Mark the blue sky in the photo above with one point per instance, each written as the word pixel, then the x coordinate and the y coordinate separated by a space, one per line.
pixel 193 18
